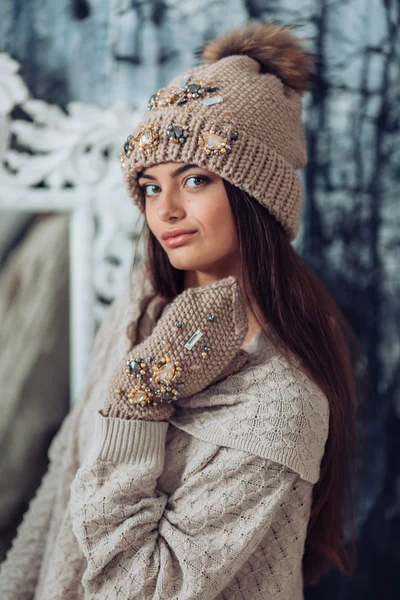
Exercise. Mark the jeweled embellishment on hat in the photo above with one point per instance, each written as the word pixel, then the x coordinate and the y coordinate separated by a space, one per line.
pixel 196 89
pixel 152 101
pixel 212 143
pixel 164 98
pixel 212 100
pixel 177 133
pixel 147 137
pixel 189 90
pixel 128 148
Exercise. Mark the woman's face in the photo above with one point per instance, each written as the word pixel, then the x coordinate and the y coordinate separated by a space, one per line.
pixel 182 196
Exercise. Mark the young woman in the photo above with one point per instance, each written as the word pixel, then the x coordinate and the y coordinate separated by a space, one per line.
pixel 209 454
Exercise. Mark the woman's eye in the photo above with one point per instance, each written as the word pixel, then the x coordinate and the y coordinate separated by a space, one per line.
pixel 197 180
pixel 150 189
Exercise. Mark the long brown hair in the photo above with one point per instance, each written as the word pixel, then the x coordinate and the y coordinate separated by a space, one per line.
pixel 301 311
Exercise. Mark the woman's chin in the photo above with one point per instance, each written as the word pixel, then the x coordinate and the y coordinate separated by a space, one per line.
pixel 187 265
pixel 181 259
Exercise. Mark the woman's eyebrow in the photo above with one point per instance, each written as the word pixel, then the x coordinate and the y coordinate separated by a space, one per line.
pixel 175 173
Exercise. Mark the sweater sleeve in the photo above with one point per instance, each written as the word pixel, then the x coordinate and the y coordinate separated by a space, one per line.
pixel 140 543
pixel 20 570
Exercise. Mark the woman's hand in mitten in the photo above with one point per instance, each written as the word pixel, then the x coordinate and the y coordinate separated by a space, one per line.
pixel 197 337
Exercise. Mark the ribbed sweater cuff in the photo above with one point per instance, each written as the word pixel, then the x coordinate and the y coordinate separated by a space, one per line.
pixel 129 440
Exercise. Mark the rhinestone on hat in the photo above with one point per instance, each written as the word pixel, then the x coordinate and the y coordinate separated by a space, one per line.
pixel 177 133
pixel 164 98
pixel 196 89
pixel 189 90
pixel 211 100
pixel 147 137
pixel 127 151
pixel 211 143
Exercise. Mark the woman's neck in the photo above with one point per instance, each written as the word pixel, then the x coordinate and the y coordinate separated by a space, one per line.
pixel 254 326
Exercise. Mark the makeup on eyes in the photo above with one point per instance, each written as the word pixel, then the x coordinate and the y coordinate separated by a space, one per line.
pixel 204 180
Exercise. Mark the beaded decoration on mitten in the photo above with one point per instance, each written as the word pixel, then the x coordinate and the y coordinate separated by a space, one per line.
pixel 197 337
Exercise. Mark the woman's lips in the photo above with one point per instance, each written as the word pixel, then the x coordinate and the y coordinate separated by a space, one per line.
pixel 179 240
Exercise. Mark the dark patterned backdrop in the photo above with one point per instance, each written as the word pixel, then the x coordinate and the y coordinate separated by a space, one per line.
pixel 118 52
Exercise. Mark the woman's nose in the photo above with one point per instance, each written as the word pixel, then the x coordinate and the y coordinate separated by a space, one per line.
pixel 170 205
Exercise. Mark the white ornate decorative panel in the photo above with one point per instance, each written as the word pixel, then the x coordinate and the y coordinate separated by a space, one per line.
pixel 68 161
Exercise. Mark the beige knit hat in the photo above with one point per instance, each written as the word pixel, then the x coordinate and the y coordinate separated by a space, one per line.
pixel 238 115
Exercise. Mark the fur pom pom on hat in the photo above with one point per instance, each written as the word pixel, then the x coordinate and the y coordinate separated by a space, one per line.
pixel 274 47
pixel 238 114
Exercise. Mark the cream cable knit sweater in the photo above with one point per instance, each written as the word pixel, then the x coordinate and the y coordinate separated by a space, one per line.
pixel 213 505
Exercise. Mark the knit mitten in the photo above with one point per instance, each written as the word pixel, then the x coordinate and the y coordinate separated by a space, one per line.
pixel 196 338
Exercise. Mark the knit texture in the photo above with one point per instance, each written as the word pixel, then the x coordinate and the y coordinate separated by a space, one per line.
pixel 150 510
pixel 199 335
pixel 252 135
